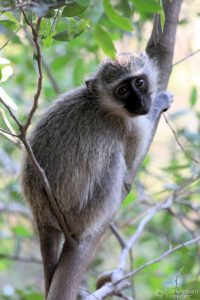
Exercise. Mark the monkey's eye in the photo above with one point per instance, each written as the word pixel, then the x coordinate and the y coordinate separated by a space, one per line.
pixel 139 82
pixel 123 90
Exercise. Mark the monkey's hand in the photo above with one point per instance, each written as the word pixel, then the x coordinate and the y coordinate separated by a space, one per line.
pixel 164 100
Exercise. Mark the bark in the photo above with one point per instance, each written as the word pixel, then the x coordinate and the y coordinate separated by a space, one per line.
pixel 75 259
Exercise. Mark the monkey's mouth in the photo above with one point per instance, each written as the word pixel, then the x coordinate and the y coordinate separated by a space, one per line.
pixel 140 108
pixel 138 112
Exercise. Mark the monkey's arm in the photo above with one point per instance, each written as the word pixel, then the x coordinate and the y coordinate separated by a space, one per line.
pixel 161 103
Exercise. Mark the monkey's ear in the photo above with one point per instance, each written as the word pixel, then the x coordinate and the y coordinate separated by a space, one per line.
pixel 92 86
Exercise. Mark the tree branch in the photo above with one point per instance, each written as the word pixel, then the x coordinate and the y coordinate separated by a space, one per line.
pixel 109 288
pixel 39 63
pixel 161 257
pixel 161 44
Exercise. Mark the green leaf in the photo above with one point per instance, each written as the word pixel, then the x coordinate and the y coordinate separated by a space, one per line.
pixel 193 96
pixel 120 21
pixel 150 6
pixel 47 42
pixel 104 40
pixel 50 14
pixel 63 36
pixel 73 9
pixel 21 231
pixel 8 24
pixel 11 17
pixel 73 30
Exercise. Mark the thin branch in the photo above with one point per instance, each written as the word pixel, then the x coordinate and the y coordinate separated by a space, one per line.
pixel 6 122
pixel 153 211
pixel 186 57
pixel 7 133
pixel 54 22
pixel 45 66
pixel 39 63
pixel 11 37
pixel 176 282
pixel 118 235
pixel 11 113
pixel 119 272
pixel 181 220
pixel 161 257
pixel 178 142
pixel 195 208
pixel 10 136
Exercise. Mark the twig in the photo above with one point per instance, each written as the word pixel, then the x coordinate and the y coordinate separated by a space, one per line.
pixel 11 37
pixel 118 235
pixel 45 66
pixel 154 210
pixel 158 259
pixel 39 63
pixel 109 288
pixel 178 142
pixel 186 57
pixel 176 282
pixel 189 204
pixel 11 113
pixel 180 219
pixel 7 123
pixel 10 136
pixel 8 133
pixel 54 21
pixel 119 272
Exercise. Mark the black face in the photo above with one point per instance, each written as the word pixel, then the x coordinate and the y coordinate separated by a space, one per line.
pixel 133 93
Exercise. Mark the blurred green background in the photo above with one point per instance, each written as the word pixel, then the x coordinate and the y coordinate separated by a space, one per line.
pixel 74 39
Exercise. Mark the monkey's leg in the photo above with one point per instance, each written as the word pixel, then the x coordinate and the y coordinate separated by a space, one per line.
pixel 49 245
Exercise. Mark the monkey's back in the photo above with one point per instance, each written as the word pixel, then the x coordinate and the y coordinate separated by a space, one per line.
pixel 79 147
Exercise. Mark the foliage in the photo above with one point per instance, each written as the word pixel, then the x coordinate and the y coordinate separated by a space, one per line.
pixel 74 37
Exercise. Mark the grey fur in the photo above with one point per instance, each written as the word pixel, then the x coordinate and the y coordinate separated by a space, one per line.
pixel 88 145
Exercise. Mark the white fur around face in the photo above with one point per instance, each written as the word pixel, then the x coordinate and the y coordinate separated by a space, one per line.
pixel 141 128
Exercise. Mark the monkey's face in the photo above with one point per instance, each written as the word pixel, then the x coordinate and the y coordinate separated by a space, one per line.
pixel 126 85
pixel 133 95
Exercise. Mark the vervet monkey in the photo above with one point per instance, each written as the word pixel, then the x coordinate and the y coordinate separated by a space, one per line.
pixel 89 142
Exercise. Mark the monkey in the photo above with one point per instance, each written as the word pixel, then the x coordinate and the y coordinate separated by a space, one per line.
pixel 89 143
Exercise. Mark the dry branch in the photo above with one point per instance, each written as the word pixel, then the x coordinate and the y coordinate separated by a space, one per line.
pixel 109 288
